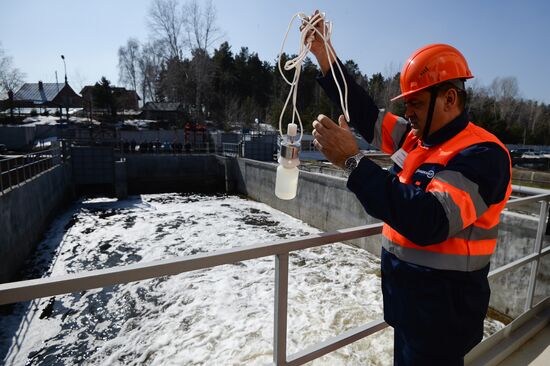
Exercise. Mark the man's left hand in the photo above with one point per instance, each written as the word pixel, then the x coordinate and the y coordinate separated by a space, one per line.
pixel 336 142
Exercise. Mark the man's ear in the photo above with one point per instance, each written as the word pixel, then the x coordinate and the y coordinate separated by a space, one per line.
pixel 451 98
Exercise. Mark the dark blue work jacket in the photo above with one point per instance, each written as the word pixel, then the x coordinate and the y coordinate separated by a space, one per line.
pixel 440 312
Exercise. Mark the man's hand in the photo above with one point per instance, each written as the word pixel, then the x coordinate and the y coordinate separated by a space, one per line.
pixel 318 45
pixel 337 143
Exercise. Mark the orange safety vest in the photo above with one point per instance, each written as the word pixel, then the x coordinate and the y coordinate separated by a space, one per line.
pixel 473 227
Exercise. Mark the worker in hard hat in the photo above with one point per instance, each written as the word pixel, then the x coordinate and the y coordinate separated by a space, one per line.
pixel 440 202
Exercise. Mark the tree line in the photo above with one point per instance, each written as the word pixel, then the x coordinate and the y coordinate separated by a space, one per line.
pixel 236 87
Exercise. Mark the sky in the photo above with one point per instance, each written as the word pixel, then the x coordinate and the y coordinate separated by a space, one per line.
pixel 498 38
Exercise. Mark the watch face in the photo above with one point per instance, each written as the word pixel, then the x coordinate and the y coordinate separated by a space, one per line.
pixel 350 163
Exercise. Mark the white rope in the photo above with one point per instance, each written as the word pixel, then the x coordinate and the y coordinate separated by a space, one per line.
pixel 296 64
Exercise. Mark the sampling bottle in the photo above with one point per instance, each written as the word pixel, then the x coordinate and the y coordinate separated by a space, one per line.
pixel 286 182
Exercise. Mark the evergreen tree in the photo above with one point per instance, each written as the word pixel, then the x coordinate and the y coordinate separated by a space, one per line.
pixel 103 96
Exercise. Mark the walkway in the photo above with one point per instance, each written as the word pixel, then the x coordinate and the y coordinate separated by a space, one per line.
pixel 536 352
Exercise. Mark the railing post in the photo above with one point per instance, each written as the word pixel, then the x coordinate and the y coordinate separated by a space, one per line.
pixel 541 229
pixel 8 170
pixel 281 297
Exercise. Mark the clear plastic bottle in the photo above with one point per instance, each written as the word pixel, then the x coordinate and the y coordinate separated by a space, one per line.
pixel 286 182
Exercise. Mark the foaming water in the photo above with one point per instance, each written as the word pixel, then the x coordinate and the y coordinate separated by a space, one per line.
pixel 217 316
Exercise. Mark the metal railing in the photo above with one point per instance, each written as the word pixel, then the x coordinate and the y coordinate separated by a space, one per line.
pixel 144 147
pixel 37 288
pixel 16 170
pixel 231 149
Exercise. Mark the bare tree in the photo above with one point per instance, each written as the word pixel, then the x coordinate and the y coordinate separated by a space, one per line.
pixel 535 114
pixel 505 91
pixel 150 63
pixel 10 77
pixel 202 32
pixel 166 22
pixel 128 57
pixel 200 25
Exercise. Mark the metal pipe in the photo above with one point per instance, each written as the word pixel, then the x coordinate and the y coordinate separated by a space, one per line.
pixel 541 229
pixel 335 343
pixel 9 174
pixel 44 287
pixel 281 301
pixel 524 200
pixel 529 190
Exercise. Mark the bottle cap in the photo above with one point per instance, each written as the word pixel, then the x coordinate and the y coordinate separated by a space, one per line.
pixel 292 129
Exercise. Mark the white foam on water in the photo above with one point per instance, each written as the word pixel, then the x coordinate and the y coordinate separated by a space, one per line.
pixel 217 316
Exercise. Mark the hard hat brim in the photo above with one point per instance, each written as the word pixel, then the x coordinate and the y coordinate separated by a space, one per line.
pixel 410 92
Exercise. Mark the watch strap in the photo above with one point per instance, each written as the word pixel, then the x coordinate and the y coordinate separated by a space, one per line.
pixel 352 162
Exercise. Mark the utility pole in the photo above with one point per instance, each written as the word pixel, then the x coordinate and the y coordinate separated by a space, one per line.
pixel 66 83
pixel 64 65
pixel 57 85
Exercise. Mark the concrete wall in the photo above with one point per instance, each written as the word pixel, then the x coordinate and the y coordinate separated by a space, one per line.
pixel 153 173
pixel 16 137
pixel 540 178
pixel 26 212
pixel 219 138
pixel 93 165
pixel 262 147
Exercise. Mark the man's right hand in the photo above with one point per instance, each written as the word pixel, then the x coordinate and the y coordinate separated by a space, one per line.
pixel 318 45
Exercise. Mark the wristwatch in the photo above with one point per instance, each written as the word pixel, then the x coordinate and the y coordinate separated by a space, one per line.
pixel 352 162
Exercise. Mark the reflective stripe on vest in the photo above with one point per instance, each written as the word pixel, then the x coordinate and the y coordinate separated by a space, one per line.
pixel 460 198
pixel 453 262
pixel 473 227
pixel 388 132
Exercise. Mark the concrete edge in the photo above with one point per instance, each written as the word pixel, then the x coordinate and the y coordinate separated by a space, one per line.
pixel 506 341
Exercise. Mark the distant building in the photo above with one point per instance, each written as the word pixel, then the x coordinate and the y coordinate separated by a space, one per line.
pixel 171 112
pixel 46 95
pixel 126 99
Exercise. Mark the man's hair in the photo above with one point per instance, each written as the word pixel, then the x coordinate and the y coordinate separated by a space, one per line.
pixel 458 85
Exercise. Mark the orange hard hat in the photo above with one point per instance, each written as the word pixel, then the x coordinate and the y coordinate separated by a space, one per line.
pixel 431 65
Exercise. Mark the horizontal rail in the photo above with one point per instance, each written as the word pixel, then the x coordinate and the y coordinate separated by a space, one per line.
pixel 524 200
pixel 507 268
pixel 26 165
pixel 44 287
pixel 50 151
pixel 19 169
pixel 528 190
pixel 332 344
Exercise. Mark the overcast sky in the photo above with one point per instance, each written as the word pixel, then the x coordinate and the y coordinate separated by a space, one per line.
pixel 499 38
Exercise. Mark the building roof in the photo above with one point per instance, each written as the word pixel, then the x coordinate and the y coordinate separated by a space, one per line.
pixel 128 93
pixel 33 92
pixel 163 107
pixel 87 89
pixel 121 91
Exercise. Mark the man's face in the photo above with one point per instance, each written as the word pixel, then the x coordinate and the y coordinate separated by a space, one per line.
pixel 416 112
